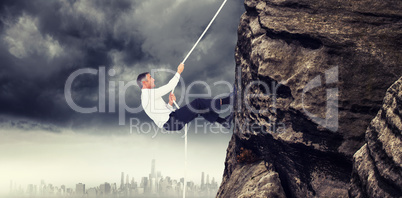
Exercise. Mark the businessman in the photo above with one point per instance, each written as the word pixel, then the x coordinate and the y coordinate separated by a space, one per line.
pixel 165 116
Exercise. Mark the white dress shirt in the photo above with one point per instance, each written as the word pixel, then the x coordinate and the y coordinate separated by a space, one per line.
pixel 154 105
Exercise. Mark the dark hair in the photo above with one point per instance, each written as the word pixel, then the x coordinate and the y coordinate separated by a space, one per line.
pixel 141 78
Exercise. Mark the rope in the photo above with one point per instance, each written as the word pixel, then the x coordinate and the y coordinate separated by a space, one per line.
pixel 205 31
pixel 177 106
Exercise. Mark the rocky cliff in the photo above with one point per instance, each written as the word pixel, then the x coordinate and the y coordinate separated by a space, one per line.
pixel 377 166
pixel 311 75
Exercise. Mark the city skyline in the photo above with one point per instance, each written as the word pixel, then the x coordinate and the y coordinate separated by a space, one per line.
pixel 69 157
pixel 129 186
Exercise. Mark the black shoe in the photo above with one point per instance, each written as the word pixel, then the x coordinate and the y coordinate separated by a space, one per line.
pixel 228 123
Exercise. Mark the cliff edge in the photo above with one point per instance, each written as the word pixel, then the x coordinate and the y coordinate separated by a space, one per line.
pixel 377 166
pixel 311 75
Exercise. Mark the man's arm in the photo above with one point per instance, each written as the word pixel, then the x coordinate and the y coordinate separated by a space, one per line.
pixel 180 68
pixel 172 98
pixel 161 91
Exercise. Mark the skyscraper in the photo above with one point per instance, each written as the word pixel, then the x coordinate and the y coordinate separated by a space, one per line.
pixel 122 181
pixel 92 192
pixel 153 173
pixel 30 189
pixel 144 184
pixel 105 189
pixel 114 188
pixel 42 187
pixel 202 181
pixel 63 189
pixel 133 183
pixel 127 178
pixel 80 189
pixel 152 178
pixel 158 174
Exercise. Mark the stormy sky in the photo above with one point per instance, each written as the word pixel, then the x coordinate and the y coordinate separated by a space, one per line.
pixel 44 42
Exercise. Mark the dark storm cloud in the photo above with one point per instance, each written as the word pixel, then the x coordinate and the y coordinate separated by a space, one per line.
pixel 43 42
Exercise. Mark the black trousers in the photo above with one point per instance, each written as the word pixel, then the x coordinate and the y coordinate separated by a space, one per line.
pixel 198 107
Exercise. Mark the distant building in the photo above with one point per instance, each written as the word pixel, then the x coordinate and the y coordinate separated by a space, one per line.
pixel 92 192
pixel 158 174
pixel 153 173
pixel 122 181
pixel 63 189
pixel 144 184
pixel 114 190
pixel 202 181
pixel 69 191
pixel 127 182
pixel 152 179
pixel 30 190
pixel 80 189
pixel 105 189
pixel 133 183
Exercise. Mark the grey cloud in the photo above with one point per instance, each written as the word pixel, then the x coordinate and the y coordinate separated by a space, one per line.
pixel 43 42
pixel 7 122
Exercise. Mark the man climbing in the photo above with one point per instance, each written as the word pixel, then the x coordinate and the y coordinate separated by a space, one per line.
pixel 165 116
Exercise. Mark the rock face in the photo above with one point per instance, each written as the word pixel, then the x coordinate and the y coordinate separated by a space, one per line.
pixel 377 166
pixel 310 75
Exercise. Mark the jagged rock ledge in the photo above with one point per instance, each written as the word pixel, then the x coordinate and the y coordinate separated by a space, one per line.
pixel 377 166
